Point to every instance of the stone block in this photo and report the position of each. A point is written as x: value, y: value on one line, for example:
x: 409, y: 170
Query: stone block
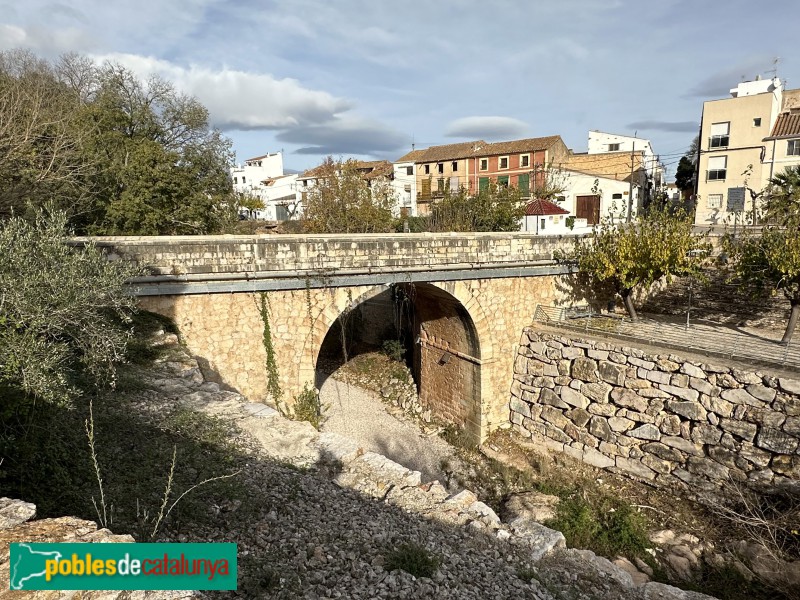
x: 598, y: 391
x: 702, y: 386
x: 658, y: 465
x: 776, y: 440
x: 740, y: 396
x: 679, y: 380
x: 760, y: 458
x: 767, y: 417
x: 745, y: 377
x: 655, y: 376
x: 727, y: 381
x: 790, y: 386
x: 721, y: 407
x: 693, y: 370
x: 617, y: 357
x: 629, y: 399
x: 645, y: 432
x: 550, y: 398
x: 667, y: 365
x: 679, y: 392
x: 663, y: 452
x: 574, y: 398
x: 669, y: 424
x: 653, y: 393
x: 706, y: 434
x: 585, y: 369
x: 571, y: 352
x: 792, y: 426
x: 638, y: 362
x: 761, y: 392
x: 724, y: 456
x: 620, y: 424
x: 579, y: 416
x: 634, y: 467
x: 634, y: 383
x: 741, y: 429
x: 520, y: 407
x: 597, y: 459
x: 554, y: 416
x: 604, y: 410
x: 597, y: 354
x: 787, y: 465
x: 557, y: 434
x: 683, y: 445
x: 690, y: 410
x: 705, y: 467
x: 599, y: 428
x: 611, y: 373
x: 636, y: 416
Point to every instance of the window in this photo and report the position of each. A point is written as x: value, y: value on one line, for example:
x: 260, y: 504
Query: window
x: 523, y: 184
x: 454, y: 185
x: 717, y: 168
x: 502, y: 181
x: 235, y: 180
x: 524, y: 160
x: 454, y: 166
x: 440, y: 184
x: 715, y: 201
x: 757, y: 122
x: 427, y: 169
x: 616, y: 196
x: 503, y: 162
x: 542, y: 222
x: 409, y: 170
x: 243, y: 179
x: 719, y: 135
x: 793, y: 148
x: 440, y: 168
x: 483, y: 184
x: 484, y: 165
x: 613, y: 147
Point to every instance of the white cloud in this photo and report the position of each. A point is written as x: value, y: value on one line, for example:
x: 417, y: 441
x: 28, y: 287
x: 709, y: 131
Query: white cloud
x: 240, y: 100
x: 486, y: 127
x: 345, y: 136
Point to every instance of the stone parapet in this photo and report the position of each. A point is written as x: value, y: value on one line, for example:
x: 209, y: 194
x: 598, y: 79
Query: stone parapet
x: 660, y: 418
x: 359, y: 253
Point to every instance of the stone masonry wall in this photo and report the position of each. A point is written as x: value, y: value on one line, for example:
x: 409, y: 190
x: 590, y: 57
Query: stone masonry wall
x: 197, y: 255
x: 659, y: 418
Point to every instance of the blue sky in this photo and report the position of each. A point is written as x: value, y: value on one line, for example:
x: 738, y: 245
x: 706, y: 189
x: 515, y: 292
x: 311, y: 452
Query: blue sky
x: 369, y: 78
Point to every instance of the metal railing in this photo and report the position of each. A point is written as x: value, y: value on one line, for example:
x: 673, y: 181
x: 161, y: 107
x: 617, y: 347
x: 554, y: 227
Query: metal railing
x: 697, y: 337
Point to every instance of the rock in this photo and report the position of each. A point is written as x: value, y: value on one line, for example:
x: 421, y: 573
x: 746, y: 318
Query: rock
x: 597, y: 459
x: 634, y: 467
x: 702, y: 386
x: 690, y: 410
x: 533, y: 506
x: 629, y: 399
x: 579, y: 416
x: 599, y: 428
x: 574, y: 398
x: 790, y: 386
x: 663, y: 452
x: 744, y: 430
x: 597, y: 391
x: 776, y: 441
x: 683, y: 445
x: 620, y: 424
x: 740, y: 396
x: 520, y: 406
x: 550, y: 398
x: 585, y: 369
x: 645, y: 364
x: 637, y: 576
x: 611, y: 373
x: 646, y: 432
x: 693, y: 370
x: 761, y: 392
x: 706, y: 434
x: 707, y: 468
x: 541, y: 540
x: 669, y: 425
x: 13, y: 512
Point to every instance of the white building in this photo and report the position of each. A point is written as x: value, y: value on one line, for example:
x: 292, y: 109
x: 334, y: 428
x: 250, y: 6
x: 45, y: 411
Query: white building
x: 601, y: 142
x: 404, y: 186
x: 263, y: 178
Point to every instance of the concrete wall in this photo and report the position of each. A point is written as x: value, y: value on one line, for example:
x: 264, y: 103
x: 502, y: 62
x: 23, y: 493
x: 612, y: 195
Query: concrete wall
x: 662, y: 419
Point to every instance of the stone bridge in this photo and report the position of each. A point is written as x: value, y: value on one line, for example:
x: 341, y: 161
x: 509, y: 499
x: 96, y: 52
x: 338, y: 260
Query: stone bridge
x: 458, y: 302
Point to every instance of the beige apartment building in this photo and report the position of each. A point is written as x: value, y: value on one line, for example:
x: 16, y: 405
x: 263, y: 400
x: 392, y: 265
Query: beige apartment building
x: 744, y: 141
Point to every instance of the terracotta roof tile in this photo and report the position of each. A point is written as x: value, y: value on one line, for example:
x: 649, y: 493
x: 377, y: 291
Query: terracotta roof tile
x: 412, y: 156
x: 787, y: 125
x: 450, y: 151
x: 611, y: 165
x: 544, y: 207
x: 519, y: 146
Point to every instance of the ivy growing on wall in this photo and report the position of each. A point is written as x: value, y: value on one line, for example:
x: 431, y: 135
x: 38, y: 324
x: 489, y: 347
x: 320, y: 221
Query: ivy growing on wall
x: 273, y: 385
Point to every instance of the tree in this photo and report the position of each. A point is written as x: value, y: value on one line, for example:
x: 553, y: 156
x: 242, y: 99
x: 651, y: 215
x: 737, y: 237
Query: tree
x: 341, y: 201
x: 120, y: 155
x: 493, y: 208
x: 685, y: 176
x: 630, y: 256
x: 770, y: 258
x: 62, y: 307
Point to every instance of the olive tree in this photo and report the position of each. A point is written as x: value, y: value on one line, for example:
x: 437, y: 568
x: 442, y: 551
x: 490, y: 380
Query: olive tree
x: 62, y: 310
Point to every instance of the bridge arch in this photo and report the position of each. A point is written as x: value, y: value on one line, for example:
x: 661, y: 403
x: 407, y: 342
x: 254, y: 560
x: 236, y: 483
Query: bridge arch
x: 446, y: 339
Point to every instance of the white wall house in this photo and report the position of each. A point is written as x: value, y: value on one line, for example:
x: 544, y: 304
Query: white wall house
x: 404, y: 186
x: 263, y: 177
x: 600, y: 142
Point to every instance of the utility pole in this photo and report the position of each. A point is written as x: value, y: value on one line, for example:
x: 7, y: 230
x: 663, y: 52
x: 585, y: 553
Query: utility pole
x: 630, y: 188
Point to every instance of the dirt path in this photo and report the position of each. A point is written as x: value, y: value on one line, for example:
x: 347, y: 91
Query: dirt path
x: 360, y: 415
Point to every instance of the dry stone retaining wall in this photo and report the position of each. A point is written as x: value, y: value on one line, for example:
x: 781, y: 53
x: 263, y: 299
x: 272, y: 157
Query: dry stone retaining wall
x: 659, y: 418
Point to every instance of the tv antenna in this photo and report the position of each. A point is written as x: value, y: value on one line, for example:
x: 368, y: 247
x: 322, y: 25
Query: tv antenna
x: 775, y: 62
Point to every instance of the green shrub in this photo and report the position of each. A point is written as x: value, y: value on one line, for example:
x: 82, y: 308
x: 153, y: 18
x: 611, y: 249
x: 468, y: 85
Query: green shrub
x: 413, y: 559
x: 308, y: 407
x: 394, y: 349
x: 570, y: 222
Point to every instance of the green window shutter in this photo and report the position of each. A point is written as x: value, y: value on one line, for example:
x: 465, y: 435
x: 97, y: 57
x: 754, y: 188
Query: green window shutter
x: 523, y: 183
x: 502, y: 180
x: 483, y: 184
